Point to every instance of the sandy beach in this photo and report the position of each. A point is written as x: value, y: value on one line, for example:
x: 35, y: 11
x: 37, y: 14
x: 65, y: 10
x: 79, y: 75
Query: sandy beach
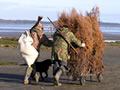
x: 11, y: 76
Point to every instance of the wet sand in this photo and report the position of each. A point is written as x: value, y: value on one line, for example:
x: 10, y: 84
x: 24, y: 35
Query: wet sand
x: 11, y: 76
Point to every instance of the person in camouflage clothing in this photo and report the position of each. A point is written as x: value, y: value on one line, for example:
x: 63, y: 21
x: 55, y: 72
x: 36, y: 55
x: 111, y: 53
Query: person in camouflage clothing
x: 39, y: 38
x: 60, y: 52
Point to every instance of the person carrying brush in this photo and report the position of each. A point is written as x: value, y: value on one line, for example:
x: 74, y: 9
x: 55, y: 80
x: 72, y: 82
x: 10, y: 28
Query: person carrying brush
x: 60, y: 49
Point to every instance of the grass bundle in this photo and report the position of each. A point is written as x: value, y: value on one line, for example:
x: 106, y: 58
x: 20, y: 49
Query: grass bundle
x: 86, y: 29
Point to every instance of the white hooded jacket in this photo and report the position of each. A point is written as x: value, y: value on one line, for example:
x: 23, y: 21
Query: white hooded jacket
x: 28, y: 52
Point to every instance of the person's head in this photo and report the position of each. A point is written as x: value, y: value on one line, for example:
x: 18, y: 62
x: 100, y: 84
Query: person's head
x: 37, y: 29
x: 38, y: 26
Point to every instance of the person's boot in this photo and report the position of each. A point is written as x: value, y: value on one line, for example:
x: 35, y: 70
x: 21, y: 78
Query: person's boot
x: 57, y: 77
x: 57, y: 83
x: 26, y: 82
x: 28, y: 73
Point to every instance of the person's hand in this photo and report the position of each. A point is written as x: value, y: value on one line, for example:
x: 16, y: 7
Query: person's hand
x: 83, y: 45
x: 39, y: 18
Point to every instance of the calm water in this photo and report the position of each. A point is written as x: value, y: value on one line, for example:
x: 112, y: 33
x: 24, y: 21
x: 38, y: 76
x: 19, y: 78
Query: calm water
x: 22, y: 28
x: 110, y: 29
x: 16, y: 30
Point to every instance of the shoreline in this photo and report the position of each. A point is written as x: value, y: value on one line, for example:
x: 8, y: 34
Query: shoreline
x: 109, y: 33
x: 106, y: 36
x: 111, y: 36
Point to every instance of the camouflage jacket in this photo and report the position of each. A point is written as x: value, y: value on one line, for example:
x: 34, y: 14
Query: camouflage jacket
x: 60, y: 46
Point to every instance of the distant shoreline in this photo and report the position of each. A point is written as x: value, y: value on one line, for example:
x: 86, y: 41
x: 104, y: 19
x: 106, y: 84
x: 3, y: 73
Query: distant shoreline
x: 32, y: 22
x: 106, y: 36
x: 109, y: 25
x: 18, y: 32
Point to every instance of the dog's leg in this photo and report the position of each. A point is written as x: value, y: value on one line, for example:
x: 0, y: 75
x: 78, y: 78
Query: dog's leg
x: 41, y: 76
x: 46, y: 74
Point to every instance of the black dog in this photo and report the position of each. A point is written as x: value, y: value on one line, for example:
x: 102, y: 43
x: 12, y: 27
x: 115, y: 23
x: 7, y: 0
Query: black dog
x: 42, y: 67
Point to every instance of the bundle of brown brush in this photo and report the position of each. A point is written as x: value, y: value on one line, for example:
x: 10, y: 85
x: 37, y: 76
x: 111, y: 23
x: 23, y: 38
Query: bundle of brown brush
x: 86, y: 29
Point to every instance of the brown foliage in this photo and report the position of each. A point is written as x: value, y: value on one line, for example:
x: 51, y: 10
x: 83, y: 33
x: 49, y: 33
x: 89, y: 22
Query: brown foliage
x: 86, y: 29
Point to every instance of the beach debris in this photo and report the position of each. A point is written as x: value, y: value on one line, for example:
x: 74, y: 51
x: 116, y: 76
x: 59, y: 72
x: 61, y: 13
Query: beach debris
x: 86, y: 28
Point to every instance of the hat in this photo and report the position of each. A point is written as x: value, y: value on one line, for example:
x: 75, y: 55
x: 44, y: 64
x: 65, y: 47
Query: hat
x: 65, y: 25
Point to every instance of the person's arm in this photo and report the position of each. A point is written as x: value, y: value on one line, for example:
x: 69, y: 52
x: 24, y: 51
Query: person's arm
x: 38, y: 21
x: 45, y: 41
x: 76, y: 41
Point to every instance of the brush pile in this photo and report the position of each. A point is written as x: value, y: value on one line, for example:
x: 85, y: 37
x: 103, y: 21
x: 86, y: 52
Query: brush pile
x: 85, y: 28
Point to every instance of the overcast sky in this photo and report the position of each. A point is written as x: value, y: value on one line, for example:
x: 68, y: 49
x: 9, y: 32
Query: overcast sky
x: 30, y: 9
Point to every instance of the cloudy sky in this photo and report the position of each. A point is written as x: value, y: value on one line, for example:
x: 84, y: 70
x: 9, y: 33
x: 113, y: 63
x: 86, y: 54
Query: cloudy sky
x: 30, y: 9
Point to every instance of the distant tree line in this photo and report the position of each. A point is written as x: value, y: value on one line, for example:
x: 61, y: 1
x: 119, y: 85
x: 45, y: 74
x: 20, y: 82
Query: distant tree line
x: 2, y: 21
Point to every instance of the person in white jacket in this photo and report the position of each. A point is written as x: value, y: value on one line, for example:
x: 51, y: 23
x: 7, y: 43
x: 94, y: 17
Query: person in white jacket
x: 29, y: 46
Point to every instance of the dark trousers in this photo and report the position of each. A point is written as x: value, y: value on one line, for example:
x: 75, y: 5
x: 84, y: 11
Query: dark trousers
x: 59, y: 65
